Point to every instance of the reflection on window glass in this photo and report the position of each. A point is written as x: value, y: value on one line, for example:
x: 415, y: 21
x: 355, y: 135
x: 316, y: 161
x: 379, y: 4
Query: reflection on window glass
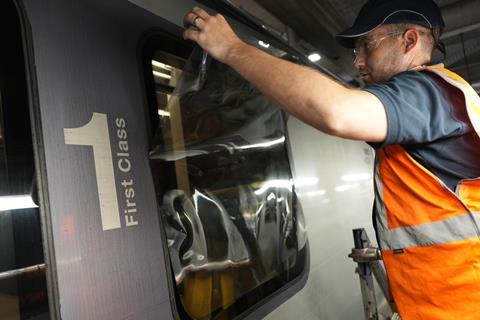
x: 223, y: 180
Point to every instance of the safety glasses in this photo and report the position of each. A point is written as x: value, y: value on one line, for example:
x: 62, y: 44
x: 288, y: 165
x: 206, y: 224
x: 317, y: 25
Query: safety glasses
x: 365, y: 46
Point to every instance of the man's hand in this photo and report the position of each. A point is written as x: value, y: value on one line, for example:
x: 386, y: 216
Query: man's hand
x: 212, y: 33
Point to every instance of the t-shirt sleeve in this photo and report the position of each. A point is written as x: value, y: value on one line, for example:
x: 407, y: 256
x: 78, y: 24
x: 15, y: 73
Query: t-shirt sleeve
x: 418, y: 110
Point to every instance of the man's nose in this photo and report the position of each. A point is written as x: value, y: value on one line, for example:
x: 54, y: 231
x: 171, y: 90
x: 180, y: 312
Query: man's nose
x: 359, y: 61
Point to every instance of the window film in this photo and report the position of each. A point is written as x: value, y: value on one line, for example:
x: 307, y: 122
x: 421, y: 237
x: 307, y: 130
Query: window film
x: 233, y: 224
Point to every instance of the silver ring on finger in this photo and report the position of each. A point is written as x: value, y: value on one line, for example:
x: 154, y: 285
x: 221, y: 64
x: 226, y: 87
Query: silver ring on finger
x: 194, y: 22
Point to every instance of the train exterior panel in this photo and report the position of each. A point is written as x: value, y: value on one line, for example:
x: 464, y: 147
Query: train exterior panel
x: 108, y: 249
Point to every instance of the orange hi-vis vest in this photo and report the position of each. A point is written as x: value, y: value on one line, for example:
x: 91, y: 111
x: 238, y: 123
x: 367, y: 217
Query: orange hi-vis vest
x: 430, y: 234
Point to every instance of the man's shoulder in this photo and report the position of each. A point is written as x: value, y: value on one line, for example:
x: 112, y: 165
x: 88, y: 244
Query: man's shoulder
x: 418, y: 108
x: 416, y: 76
x: 413, y: 83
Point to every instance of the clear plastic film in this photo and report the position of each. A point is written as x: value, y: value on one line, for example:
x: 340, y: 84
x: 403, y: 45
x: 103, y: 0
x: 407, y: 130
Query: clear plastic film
x: 234, y: 227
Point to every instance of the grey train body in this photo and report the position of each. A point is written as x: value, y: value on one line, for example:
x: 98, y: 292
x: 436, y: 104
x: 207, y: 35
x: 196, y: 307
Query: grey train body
x: 122, y: 242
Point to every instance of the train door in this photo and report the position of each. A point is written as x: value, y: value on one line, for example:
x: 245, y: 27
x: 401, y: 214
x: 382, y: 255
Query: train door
x: 149, y: 208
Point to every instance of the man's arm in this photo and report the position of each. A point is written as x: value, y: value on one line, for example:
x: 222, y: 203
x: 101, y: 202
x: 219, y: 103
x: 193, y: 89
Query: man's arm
x: 303, y: 92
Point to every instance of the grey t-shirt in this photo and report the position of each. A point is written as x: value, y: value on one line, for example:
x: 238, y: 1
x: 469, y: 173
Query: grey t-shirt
x: 426, y: 117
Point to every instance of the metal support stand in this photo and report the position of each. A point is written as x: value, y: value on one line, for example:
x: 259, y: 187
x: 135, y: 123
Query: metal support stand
x: 368, y: 259
x: 359, y: 255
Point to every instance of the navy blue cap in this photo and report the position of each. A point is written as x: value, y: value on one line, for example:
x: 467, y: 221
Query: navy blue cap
x: 377, y: 12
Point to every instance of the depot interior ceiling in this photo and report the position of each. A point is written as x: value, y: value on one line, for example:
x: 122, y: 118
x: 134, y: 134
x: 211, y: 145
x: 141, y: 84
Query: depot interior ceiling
x: 317, y: 21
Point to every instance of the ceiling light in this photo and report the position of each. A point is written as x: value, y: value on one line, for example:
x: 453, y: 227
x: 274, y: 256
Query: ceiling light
x: 314, y: 57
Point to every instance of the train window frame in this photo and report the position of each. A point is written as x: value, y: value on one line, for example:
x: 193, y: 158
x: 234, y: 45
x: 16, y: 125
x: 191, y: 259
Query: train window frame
x: 16, y: 91
x: 179, y: 50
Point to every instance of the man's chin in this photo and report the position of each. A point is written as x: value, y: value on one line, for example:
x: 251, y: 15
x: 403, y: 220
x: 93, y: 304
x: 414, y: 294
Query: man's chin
x: 367, y: 79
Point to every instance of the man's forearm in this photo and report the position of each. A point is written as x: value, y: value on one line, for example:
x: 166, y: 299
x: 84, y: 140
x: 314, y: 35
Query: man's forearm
x: 299, y: 90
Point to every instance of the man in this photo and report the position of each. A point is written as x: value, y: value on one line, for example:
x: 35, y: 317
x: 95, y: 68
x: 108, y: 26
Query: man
x: 423, y: 122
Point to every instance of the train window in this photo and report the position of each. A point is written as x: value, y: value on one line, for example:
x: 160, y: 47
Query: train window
x: 23, y: 292
x: 232, y: 224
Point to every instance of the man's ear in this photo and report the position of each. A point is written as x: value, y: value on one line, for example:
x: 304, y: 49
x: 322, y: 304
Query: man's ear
x: 410, y: 39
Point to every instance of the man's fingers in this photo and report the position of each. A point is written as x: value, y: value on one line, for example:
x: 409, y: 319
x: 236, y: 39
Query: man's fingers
x: 201, y: 13
x: 191, y: 34
x: 192, y: 19
x: 198, y: 22
x: 188, y: 19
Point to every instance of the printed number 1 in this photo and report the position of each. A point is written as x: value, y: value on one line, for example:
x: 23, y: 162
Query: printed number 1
x: 95, y: 134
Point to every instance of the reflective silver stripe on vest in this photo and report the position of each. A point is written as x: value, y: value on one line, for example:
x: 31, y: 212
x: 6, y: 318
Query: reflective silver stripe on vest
x: 454, y: 229
x: 381, y: 213
x: 440, y: 232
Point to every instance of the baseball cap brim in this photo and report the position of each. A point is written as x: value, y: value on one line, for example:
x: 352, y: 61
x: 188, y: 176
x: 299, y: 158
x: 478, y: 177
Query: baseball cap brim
x: 347, y: 37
